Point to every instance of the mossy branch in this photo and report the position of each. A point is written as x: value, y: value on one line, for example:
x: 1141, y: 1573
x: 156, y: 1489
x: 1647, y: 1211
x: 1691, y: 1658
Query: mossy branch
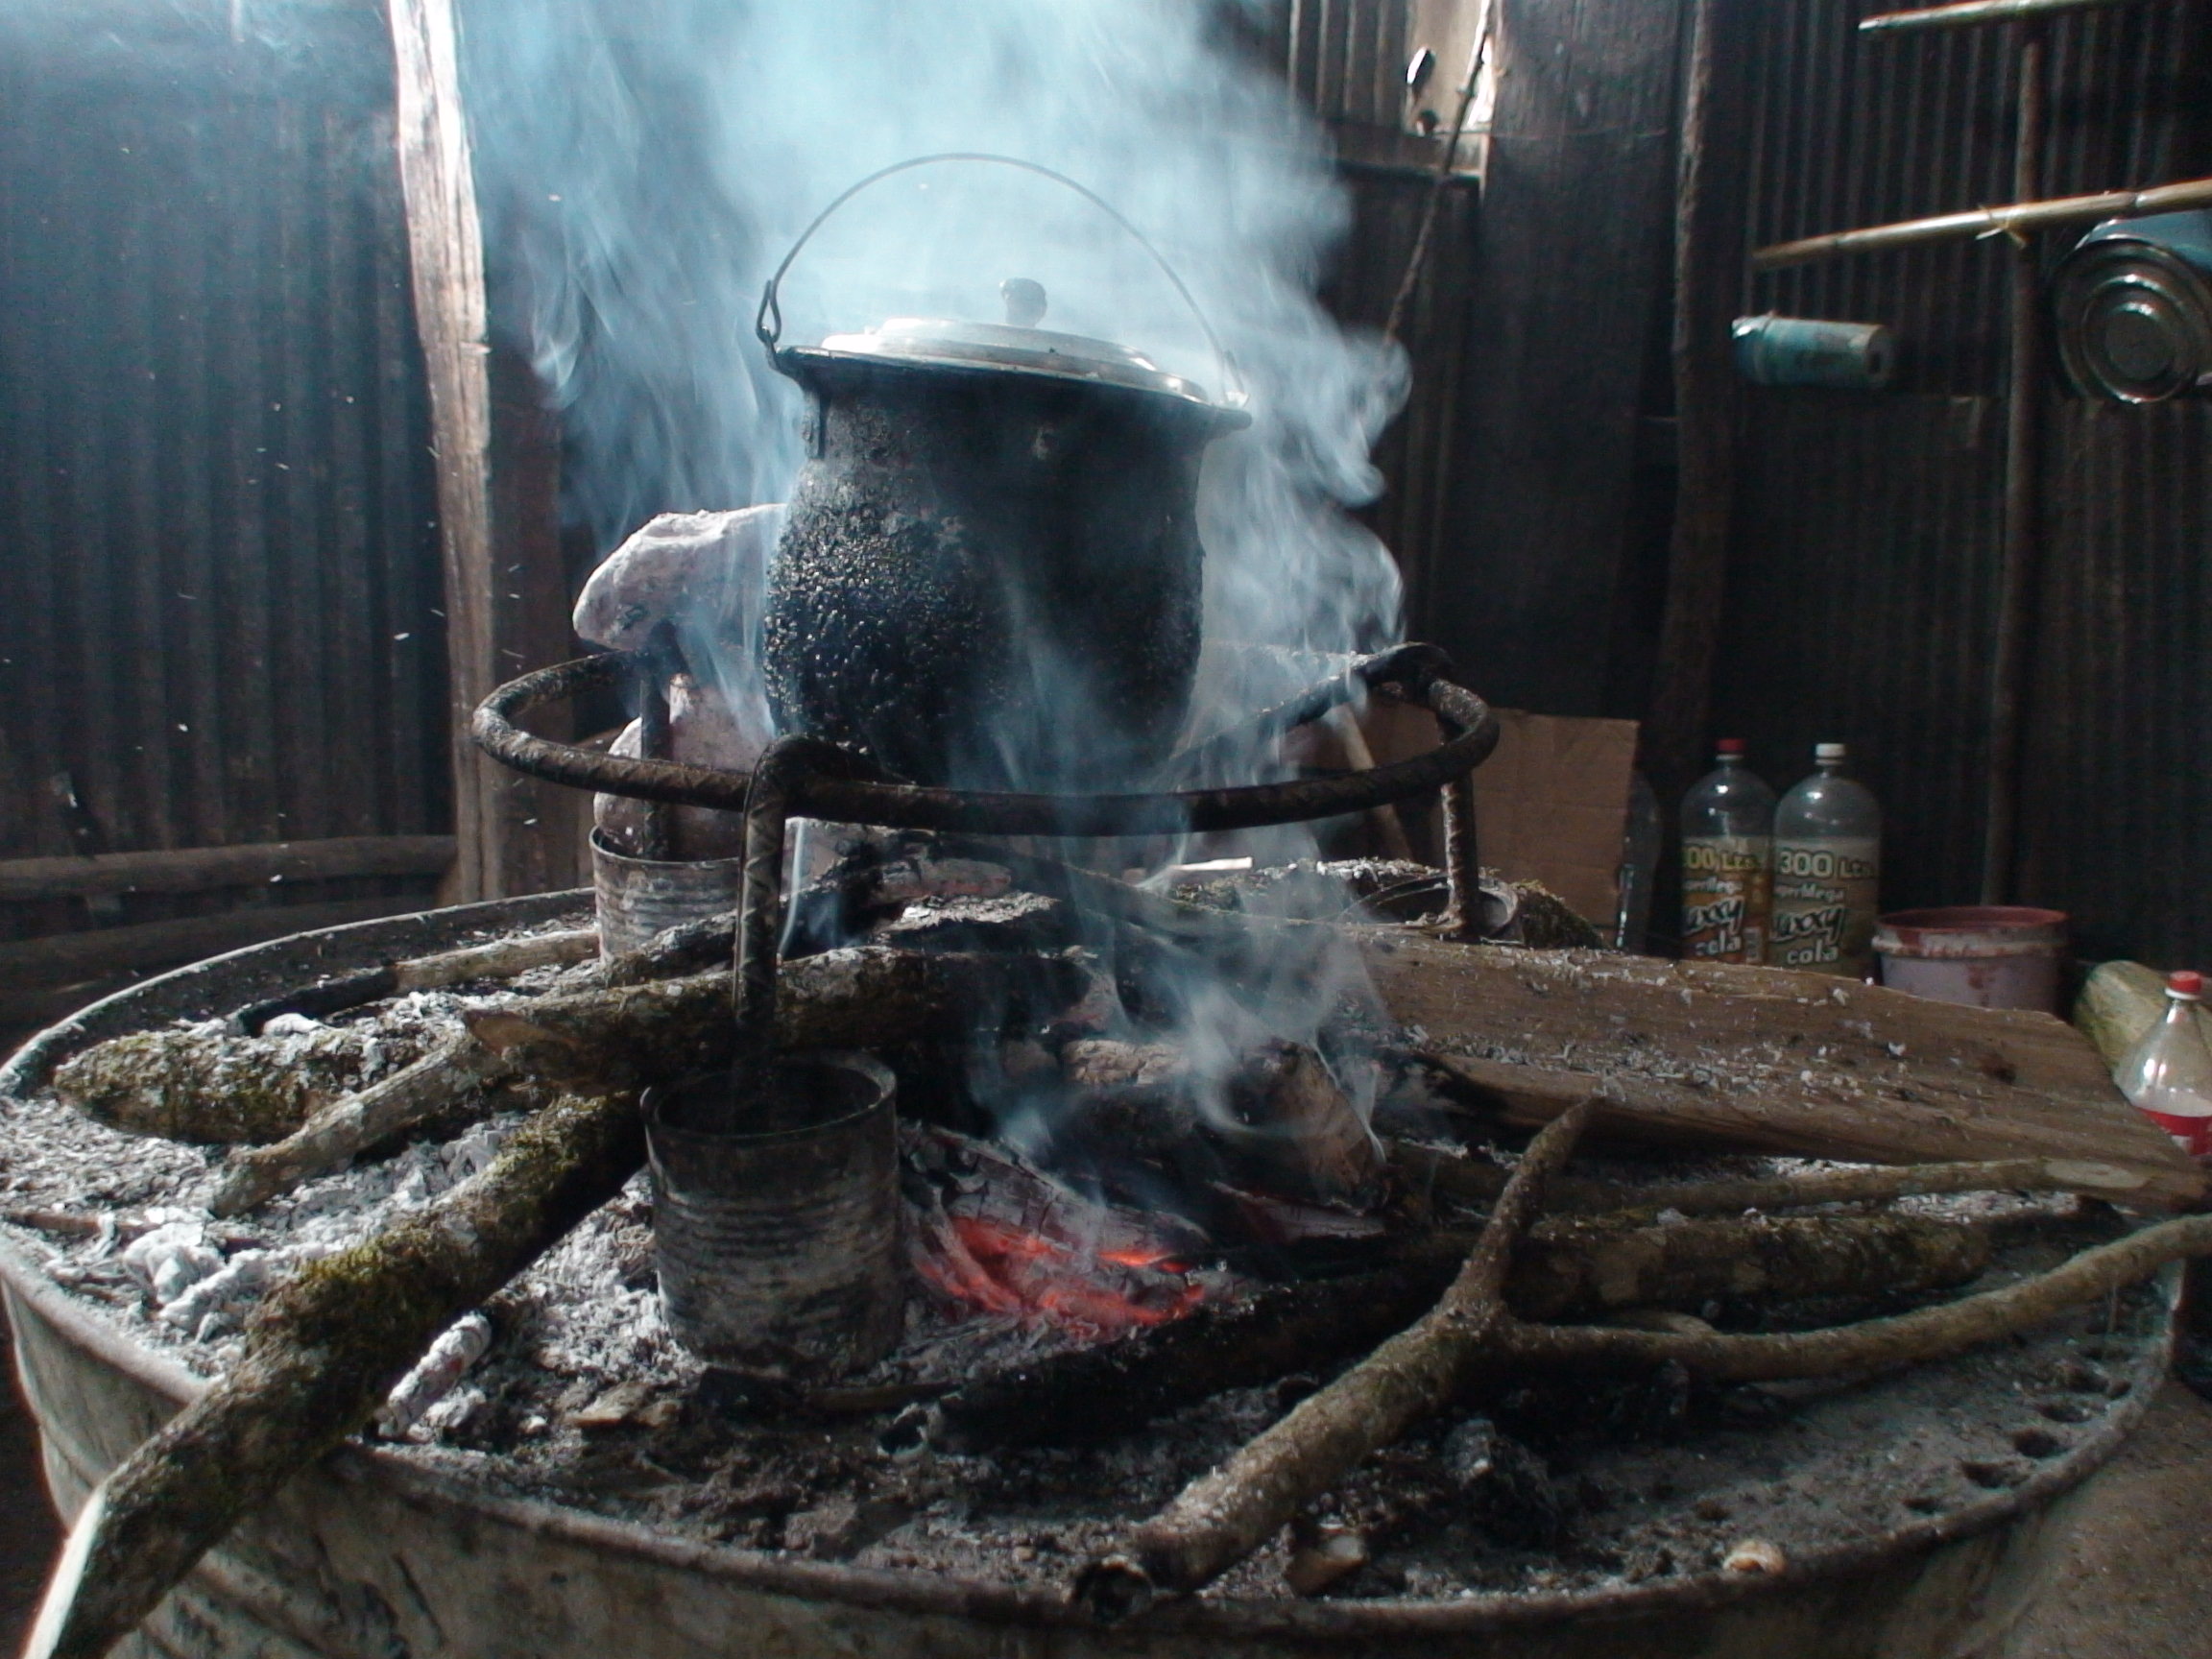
x: 322, y: 1354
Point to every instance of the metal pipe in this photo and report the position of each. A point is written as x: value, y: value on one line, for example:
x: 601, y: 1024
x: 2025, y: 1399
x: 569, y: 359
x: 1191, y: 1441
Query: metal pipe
x: 2014, y: 219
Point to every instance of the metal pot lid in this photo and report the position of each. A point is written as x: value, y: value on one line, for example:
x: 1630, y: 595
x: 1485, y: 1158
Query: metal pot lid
x: 1015, y: 346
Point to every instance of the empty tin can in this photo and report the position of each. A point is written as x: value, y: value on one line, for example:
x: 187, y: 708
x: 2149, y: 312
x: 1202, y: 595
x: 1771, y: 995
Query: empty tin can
x: 778, y: 1243
x: 1805, y: 352
x: 638, y: 898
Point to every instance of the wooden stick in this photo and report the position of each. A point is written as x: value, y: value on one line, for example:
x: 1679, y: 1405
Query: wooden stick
x: 2014, y: 219
x: 1583, y: 1267
x: 1973, y: 12
x: 322, y: 1354
x: 862, y: 997
x: 63, y: 958
x: 252, y: 1175
x: 1473, y: 1182
x: 195, y: 868
x: 1875, y: 1344
x: 1222, y: 1517
x: 500, y: 959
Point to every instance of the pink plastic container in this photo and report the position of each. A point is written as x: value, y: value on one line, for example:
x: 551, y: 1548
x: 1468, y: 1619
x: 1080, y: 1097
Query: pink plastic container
x: 1986, y: 955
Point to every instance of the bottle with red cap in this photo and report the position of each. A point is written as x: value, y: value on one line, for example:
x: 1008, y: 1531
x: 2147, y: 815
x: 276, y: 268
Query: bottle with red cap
x: 2169, y: 1073
x: 1728, y: 862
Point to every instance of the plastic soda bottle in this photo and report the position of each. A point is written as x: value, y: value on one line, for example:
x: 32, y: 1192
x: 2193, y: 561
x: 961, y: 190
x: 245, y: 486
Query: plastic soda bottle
x: 2169, y: 1074
x: 1827, y: 871
x: 1728, y: 862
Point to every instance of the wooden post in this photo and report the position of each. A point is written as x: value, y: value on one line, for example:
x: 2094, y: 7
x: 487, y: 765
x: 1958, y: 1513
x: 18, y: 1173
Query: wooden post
x: 2017, y: 573
x: 1709, y: 234
x: 505, y: 594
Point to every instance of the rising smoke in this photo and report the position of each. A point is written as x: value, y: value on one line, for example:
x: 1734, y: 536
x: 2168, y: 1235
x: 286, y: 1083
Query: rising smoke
x: 645, y: 162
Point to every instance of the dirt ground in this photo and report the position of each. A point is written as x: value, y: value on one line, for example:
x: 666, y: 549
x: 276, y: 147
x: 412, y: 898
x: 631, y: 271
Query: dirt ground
x: 2134, y: 1581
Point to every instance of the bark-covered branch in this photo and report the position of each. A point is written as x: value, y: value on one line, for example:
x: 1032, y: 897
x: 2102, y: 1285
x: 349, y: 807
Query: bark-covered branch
x: 1221, y: 1518
x: 322, y: 1354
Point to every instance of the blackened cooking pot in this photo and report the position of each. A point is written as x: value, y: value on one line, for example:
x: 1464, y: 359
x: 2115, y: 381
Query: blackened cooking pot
x: 990, y: 575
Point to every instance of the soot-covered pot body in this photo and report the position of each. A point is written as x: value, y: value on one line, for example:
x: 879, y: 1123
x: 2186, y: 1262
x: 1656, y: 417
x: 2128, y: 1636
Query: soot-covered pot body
x: 990, y: 577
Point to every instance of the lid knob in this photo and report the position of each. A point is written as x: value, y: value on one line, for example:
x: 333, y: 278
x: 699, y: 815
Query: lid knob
x: 1024, y: 301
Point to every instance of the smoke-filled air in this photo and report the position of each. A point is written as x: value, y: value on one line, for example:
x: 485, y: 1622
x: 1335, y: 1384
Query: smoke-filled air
x: 644, y: 164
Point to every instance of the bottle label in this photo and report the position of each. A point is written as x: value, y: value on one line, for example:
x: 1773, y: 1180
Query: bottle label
x: 1728, y: 892
x: 2193, y: 1135
x: 1826, y: 893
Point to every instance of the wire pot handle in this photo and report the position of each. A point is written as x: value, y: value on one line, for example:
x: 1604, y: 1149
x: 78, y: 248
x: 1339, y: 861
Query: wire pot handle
x: 768, y: 322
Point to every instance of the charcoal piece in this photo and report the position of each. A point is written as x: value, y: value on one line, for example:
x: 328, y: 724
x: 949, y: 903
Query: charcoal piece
x: 1504, y: 1488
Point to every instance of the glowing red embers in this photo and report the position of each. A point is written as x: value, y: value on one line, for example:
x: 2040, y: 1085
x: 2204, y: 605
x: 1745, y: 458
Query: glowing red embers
x: 1002, y: 1238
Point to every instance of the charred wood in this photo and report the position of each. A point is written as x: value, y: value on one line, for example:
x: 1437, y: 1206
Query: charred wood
x: 865, y: 997
x: 1222, y: 1517
x: 202, y: 1084
x: 1566, y: 1269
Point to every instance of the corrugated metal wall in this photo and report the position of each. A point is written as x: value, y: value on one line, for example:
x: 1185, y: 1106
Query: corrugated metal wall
x: 1863, y: 576
x: 219, y: 575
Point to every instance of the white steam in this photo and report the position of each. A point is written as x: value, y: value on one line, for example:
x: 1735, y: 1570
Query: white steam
x: 644, y: 164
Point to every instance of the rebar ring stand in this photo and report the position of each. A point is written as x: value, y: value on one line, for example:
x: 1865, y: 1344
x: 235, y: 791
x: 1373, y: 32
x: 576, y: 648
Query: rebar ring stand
x: 810, y: 777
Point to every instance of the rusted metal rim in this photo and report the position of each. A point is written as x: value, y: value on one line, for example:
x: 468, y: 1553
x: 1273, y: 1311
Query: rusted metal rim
x: 1416, y: 670
x: 924, y: 1593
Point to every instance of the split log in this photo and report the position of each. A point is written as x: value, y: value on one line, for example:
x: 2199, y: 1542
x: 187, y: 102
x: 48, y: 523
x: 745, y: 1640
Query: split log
x: 500, y: 959
x: 205, y: 1085
x: 348, y: 1127
x: 1279, y: 1117
x: 321, y: 1355
x: 1222, y: 1517
x: 1765, y: 1059
x: 1576, y: 1268
x: 1471, y: 1181
x: 865, y: 997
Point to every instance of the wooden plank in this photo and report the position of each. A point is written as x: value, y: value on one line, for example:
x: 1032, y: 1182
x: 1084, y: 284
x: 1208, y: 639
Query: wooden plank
x: 1768, y: 1059
x: 496, y: 474
x: 63, y: 958
x: 195, y: 868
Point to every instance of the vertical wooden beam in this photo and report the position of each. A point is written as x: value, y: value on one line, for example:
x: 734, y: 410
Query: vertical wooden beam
x: 1710, y: 209
x: 505, y: 597
x: 2019, y: 568
x: 1570, y: 282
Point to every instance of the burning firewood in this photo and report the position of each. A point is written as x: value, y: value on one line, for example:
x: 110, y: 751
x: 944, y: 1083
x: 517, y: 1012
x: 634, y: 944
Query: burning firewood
x: 1224, y: 1516
x: 1468, y: 1342
x: 627, y: 1036
x: 990, y: 1232
x: 865, y: 997
x: 500, y: 959
x: 1282, y: 1116
x: 1572, y: 1269
x: 350, y: 1126
x: 321, y: 1355
x: 205, y: 1084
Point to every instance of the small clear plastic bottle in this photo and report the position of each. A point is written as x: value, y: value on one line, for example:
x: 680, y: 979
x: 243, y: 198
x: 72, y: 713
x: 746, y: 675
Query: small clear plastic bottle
x: 1827, y: 871
x: 1642, y: 842
x: 1728, y: 862
x: 2169, y: 1074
